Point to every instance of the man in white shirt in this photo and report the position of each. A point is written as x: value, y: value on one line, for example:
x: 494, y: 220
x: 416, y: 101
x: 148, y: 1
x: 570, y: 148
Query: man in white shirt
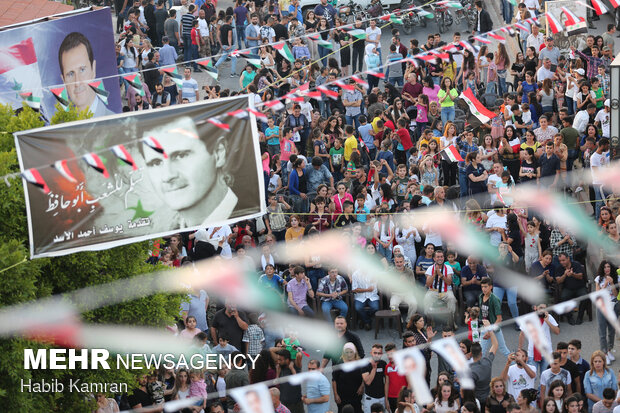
x: 536, y: 38
x: 203, y: 28
x: 439, y: 283
x: 582, y: 118
x: 519, y: 375
x: 496, y: 224
x: 366, y: 299
x: 602, y: 119
x: 545, y: 72
x: 599, y: 159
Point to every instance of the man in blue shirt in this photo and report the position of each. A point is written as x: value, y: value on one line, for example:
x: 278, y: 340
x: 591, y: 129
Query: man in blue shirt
x: 365, y: 129
x: 167, y: 54
x: 326, y: 11
x: 317, y: 391
x: 318, y: 174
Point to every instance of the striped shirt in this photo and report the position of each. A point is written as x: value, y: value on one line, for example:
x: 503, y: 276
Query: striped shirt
x: 187, y: 22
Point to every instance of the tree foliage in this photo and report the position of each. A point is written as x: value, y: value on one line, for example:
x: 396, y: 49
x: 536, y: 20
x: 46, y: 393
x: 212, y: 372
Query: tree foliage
x: 39, y: 278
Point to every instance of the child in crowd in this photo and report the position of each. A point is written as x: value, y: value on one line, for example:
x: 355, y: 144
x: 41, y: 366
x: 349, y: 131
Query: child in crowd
x: 253, y: 336
x: 224, y: 347
x: 198, y: 388
x: 471, y: 319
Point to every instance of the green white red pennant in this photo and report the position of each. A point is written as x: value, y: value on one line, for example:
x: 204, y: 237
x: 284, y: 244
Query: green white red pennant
x: 60, y: 93
x: 285, y: 51
x: 207, y: 64
x: 99, y: 89
x: 135, y: 82
x: 33, y: 101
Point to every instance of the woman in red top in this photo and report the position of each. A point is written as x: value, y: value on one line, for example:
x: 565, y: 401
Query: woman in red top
x: 341, y: 196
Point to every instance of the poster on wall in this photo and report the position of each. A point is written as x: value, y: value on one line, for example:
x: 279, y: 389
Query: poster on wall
x: 68, y: 60
x: 572, y: 35
x: 125, y: 178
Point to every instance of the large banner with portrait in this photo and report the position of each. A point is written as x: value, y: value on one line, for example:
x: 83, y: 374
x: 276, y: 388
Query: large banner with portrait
x: 131, y: 177
x: 67, y: 59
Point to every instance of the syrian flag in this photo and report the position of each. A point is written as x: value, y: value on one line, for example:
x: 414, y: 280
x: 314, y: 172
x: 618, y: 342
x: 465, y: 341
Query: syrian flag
x: 33, y: 177
x: 515, y: 144
x: 427, y: 57
x: 535, y: 21
x: 441, y: 56
x: 239, y: 114
x: 328, y: 92
x: 344, y: 86
x: 571, y: 18
x: 154, y: 144
x: 497, y: 37
x: 219, y: 124
x: 19, y: 71
x: 615, y: 3
x: 509, y: 31
x: 99, y: 89
x: 33, y: 101
x: 599, y: 7
x: 259, y: 115
x: 135, y: 82
x: 522, y: 27
x: 94, y: 161
x: 380, y: 75
x: 314, y: 94
x: 482, y: 39
x: 466, y: 45
x: 476, y: 108
x: 451, y: 154
x: 207, y: 64
x: 63, y: 169
x: 359, y: 80
x: 293, y: 97
x: 121, y: 153
x: 285, y: 51
x: 274, y: 105
x: 554, y: 23
x: 60, y: 93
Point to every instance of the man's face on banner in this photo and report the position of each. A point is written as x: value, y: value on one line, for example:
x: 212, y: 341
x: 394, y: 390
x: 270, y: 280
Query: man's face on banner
x: 187, y: 175
x: 77, y: 73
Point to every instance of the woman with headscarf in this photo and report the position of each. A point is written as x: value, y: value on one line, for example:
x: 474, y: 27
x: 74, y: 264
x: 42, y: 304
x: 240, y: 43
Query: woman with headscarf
x: 347, y: 384
x: 372, y: 62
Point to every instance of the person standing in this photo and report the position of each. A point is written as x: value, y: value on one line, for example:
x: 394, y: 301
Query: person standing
x: 290, y: 394
x: 317, y: 391
x: 491, y: 311
x: 482, y: 366
x: 189, y: 88
x: 171, y: 30
x: 227, y: 42
x: 374, y: 379
x: 187, y: 23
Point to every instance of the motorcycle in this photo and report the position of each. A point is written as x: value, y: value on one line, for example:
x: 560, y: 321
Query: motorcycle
x: 350, y: 11
x: 443, y: 17
x: 470, y: 14
x: 410, y: 20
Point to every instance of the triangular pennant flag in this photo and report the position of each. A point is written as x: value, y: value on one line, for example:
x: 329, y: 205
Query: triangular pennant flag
x: 458, y: 6
x: 99, y: 89
x: 93, y: 160
x: 358, y: 33
x: 34, y: 177
x: 476, y: 108
x: 274, y: 105
x: 285, y: 51
x: 396, y: 20
x: 482, y: 39
x: 259, y: 115
x: 177, y: 81
x: 172, y: 71
x: 380, y: 75
x: 426, y: 14
x: 426, y: 57
x: 328, y: 92
x: 497, y: 37
x: 345, y: 86
x: 314, y: 94
x: 359, y: 80
x: 554, y: 23
x: 239, y: 114
x: 207, y: 64
x: 293, y: 97
x: 385, y: 17
x: 63, y: 169
x: 60, y: 93
x: 252, y: 59
x: 33, y: 101
x: 135, y: 82
x: 325, y: 44
x: 466, y: 45
x: 314, y: 36
x: 154, y: 144
x: 522, y: 27
x: 219, y: 124
x: 615, y: 3
x: 121, y: 153
x: 451, y: 154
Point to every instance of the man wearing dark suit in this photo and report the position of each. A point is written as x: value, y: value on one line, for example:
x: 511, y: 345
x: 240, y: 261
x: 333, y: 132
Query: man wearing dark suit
x: 483, y: 19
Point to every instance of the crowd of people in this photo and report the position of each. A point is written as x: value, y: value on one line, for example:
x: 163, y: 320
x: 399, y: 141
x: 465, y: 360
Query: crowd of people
x: 353, y: 163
